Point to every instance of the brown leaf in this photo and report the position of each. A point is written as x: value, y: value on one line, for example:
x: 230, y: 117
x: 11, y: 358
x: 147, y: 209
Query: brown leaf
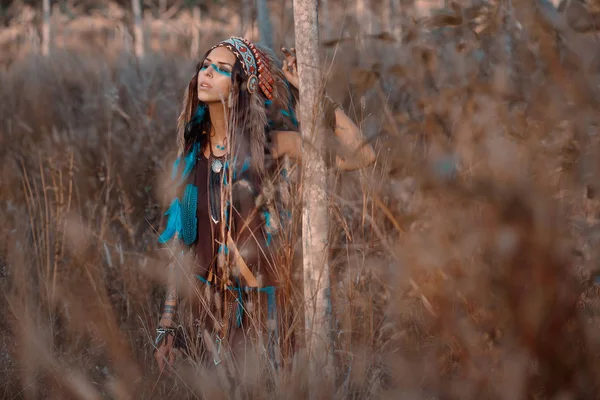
x: 444, y: 18
x: 334, y: 42
x: 363, y: 78
x: 383, y: 36
x: 581, y: 19
x: 397, y: 70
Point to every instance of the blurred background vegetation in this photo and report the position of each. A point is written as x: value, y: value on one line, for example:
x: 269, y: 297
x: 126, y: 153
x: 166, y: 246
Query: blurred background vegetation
x: 464, y: 261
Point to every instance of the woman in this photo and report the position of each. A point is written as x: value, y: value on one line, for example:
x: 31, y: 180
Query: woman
x: 227, y: 208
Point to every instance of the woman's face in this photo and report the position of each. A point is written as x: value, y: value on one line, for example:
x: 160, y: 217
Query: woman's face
x: 214, y: 77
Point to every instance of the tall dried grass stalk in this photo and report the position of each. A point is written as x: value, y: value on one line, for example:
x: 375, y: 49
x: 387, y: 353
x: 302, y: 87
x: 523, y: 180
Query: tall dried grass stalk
x: 463, y: 263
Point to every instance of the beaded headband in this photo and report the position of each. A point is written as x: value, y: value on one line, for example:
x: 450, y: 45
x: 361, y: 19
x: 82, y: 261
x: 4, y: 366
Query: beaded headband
x: 254, y: 62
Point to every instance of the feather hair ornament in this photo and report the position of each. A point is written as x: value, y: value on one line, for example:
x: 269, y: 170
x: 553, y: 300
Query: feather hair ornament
x: 269, y: 96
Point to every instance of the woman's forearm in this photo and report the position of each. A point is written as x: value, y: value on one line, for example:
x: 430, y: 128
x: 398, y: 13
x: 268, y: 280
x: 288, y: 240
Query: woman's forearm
x: 170, y: 304
x: 360, y: 154
x: 359, y: 161
x: 169, y: 308
x: 356, y: 153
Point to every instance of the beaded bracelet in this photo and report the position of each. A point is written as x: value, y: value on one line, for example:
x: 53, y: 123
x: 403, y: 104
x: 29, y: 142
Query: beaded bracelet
x: 162, y: 332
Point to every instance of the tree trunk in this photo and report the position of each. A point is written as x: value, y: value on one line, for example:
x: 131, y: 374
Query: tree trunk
x: 325, y: 18
x: 195, y: 46
x: 396, y: 18
x: 314, y: 196
x: 162, y: 11
x: 46, y: 28
x: 264, y: 23
x: 386, y: 16
x: 407, y: 11
x: 363, y: 16
x: 246, y: 17
x: 138, y: 31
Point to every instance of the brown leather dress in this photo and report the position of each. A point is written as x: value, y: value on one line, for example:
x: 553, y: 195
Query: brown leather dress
x: 210, y: 305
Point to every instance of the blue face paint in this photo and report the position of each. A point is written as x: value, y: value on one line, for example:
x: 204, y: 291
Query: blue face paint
x: 218, y: 69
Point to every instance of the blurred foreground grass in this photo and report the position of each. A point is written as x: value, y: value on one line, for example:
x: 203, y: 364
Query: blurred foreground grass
x: 464, y: 261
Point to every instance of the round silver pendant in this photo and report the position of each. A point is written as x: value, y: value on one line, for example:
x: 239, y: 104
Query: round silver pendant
x: 217, y: 166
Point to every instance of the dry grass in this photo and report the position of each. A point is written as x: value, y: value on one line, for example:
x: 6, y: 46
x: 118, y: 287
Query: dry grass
x: 464, y: 260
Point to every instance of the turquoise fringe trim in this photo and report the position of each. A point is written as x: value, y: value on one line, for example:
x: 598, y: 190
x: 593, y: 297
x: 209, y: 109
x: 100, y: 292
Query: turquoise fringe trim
x: 288, y: 113
x: 234, y: 164
x: 223, y: 249
x: 267, y: 216
x: 269, y: 290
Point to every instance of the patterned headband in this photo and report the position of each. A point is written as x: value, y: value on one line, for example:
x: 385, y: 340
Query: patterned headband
x: 255, y: 64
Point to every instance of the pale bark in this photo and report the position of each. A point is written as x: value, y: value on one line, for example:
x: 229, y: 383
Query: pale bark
x: 162, y: 11
x: 138, y: 31
x: 162, y: 8
x: 326, y: 26
x: 363, y: 16
x: 246, y: 17
x: 314, y: 196
x: 407, y: 10
x: 396, y: 19
x: 46, y: 28
x: 386, y: 15
x: 195, y: 46
x: 265, y: 28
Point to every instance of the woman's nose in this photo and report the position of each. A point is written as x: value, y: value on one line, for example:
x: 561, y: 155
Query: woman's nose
x: 208, y: 71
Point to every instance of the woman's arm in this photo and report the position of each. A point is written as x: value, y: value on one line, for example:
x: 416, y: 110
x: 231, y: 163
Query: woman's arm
x: 170, y: 306
x: 359, y: 153
x: 164, y: 354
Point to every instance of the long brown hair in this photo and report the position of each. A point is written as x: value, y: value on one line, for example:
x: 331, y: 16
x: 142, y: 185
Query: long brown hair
x: 249, y: 117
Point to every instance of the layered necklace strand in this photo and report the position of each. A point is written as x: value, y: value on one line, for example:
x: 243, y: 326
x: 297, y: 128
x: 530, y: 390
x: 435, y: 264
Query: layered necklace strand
x: 215, y: 179
x: 217, y: 164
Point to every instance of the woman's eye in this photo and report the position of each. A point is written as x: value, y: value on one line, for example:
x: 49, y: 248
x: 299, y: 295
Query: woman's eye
x: 204, y: 67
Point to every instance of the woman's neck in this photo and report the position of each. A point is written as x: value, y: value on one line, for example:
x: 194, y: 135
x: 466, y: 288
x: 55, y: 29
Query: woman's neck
x: 218, y: 122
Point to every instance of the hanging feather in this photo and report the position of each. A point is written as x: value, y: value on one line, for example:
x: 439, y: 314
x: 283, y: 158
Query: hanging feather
x: 189, y: 224
x: 174, y: 222
x: 190, y: 161
x: 199, y: 115
x: 255, y: 125
x: 175, y: 168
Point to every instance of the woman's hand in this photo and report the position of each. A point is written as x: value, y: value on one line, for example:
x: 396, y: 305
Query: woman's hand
x: 165, y: 354
x: 290, y: 67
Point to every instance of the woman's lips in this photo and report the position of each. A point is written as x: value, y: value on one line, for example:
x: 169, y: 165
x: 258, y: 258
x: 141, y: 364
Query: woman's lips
x: 205, y: 86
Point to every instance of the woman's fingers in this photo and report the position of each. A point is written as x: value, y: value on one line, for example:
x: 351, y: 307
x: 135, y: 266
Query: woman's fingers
x: 171, y: 358
x: 164, y: 355
x: 290, y: 55
x: 160, y: 359
x: 289, y: 72
x: 289, y: 67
